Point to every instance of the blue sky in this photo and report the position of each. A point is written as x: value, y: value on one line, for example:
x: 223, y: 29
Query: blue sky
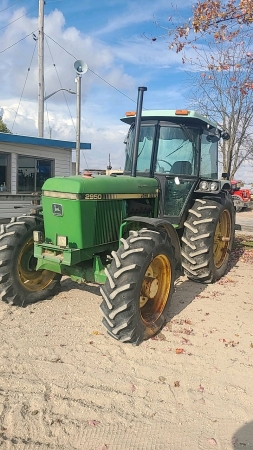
x: 112, y: 37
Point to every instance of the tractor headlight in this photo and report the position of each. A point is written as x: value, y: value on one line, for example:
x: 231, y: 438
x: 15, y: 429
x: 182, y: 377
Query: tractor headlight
x: 62, y: 241
x: 38, y: 236
x: 204, y: 186
x: 214, y: 186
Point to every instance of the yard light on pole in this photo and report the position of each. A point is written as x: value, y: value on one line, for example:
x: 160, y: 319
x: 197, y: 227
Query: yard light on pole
x: 50, y: 95
x: 80, y: 68
x: 55, y: 92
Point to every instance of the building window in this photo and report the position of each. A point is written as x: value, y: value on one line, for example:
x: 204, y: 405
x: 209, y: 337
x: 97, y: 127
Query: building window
x: 4, y: 172
x: 33, y: 172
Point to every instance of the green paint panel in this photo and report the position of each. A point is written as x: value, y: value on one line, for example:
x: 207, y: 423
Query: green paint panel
x: 101, y: 184
x: 85, y: 221
x: 77, y: 221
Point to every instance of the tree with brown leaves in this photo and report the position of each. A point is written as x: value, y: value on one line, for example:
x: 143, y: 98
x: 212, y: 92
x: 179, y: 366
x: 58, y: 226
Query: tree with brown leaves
x: 215, y: 19
x: 221, y: 70
x: 217, y: 92
x: 215, y: 22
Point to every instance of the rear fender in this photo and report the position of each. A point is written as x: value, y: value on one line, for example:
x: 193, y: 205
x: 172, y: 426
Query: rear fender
x: 164, y: 226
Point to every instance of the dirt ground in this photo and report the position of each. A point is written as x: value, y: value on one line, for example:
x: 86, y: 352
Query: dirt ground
x: 65, y: 384
x: 244, y: 220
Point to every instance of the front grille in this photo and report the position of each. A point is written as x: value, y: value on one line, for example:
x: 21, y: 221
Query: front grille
x: 108, y: 221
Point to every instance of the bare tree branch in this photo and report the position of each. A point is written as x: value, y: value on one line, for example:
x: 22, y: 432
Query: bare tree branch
x: 219, y: 95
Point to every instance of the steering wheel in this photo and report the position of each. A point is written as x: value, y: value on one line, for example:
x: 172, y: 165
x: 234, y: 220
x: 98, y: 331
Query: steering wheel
x: 163, y: 160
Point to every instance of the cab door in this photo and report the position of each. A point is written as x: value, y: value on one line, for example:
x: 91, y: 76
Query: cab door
x: 176, y: 167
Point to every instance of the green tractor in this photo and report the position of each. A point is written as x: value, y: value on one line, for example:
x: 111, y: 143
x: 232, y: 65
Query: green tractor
x: 167, y: 214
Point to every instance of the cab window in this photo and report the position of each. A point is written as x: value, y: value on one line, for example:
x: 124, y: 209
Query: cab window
x: 146, y: 140
x: 177, y: 152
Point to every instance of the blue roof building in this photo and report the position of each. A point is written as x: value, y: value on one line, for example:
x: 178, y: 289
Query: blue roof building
x: 25, y: 163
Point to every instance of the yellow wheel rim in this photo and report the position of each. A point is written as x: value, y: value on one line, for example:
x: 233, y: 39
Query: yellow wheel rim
x: 31, y: 279
x: 222, y: 238
x: 155, y: 289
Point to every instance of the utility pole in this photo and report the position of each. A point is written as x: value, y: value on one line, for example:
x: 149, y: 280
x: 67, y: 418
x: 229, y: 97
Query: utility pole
x: 41, y: 88
x: 78, y: 122
x: 80, y: 68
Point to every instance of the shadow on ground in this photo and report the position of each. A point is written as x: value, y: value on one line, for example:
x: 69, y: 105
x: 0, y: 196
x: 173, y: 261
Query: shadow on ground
x: 238, y: 250
x: 243, y: 438
x: 186, y: 290
x: 67, y: 284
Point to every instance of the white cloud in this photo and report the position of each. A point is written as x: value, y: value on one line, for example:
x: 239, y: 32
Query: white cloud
x: 245, y: 173
x: 15, y: 62
x: 18, y: 59
x: 105, y: 137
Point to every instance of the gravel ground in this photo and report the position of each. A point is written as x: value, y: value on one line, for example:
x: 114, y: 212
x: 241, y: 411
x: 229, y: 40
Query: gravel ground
x: 65, y: 384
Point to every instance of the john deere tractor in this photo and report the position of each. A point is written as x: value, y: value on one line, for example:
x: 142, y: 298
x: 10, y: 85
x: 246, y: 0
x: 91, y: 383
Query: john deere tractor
x: 132, y: 233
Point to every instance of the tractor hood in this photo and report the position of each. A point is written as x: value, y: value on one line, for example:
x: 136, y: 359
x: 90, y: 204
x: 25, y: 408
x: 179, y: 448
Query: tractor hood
x: 100, y: 184
x: 89, y: 210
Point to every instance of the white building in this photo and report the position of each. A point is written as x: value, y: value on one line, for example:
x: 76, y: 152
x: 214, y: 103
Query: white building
x: 25, y: 163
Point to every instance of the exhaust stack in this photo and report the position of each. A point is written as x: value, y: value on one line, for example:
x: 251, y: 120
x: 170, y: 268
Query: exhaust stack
x: 141, y: 90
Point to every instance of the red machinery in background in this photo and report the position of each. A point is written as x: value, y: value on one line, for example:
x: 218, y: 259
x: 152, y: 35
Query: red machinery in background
x: 242, y: 197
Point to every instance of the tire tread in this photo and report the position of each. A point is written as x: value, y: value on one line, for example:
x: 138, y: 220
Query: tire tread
x: 10, y: 291
x: 198, y: 263
x: 119, y: 305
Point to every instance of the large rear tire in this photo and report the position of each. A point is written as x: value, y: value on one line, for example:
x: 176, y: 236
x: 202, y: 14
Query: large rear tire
x: 139, y: 286
x: 20, y: 283
x: 208, y: 239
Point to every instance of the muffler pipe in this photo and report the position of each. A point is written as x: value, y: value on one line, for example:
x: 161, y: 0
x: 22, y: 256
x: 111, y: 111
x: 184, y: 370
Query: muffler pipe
x: 137, y: 129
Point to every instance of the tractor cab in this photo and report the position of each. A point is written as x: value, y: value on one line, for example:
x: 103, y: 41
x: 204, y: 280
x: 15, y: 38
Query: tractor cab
x: 180, y: 149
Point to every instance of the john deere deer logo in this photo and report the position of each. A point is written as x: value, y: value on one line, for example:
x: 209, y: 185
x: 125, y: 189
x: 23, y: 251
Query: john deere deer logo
x: 57, y: 209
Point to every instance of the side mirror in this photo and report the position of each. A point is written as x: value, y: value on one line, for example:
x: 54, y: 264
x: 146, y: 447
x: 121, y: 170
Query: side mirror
x: 225, y: 135
x: 212, y: 138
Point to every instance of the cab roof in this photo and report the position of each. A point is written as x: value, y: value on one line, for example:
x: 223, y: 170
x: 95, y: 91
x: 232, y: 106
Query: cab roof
x: 173, y: 115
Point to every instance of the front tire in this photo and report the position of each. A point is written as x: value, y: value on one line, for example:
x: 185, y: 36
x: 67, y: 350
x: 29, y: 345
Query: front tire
x: 139, y: 286
x: 20, y: 283
x: 208, y: 239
